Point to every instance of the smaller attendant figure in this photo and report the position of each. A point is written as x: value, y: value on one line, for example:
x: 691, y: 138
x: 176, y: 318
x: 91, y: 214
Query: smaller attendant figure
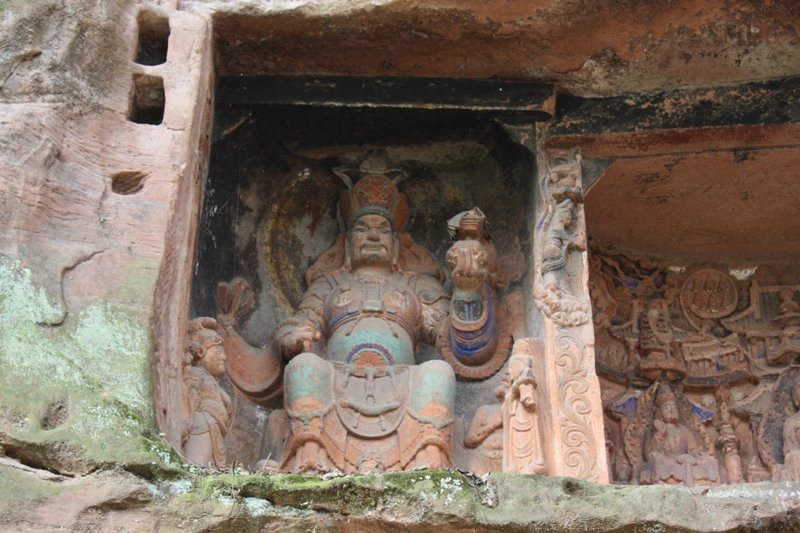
x: 791, y: 440
x: 523, y: 452
x: 728, y: 445
x: 553, y: 293
x: 559, y: 239
x: 484, y: 438
x: 668, y: 451
x: 207, y: 407
x: 785, y: 346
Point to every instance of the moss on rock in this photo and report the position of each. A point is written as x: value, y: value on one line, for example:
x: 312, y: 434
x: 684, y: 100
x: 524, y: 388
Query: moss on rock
x: 96, y: 366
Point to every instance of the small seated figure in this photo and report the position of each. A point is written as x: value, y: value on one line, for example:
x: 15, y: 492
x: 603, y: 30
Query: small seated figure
x: 785, y: 348
x: 207, y: 406
x: 788, y: 305
x: 485, y: 436
x: 791, y: 440
x: 671, y: 450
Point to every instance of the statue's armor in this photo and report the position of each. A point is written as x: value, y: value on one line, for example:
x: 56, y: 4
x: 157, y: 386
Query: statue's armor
x: 367, y: 387
x: 372, y: 317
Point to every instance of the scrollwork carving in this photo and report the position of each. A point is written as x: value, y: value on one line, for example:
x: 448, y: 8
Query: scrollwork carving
x: 577, y: 435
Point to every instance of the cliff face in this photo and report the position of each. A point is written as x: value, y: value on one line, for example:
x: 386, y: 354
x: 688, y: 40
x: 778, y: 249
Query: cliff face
x: 90, y: 203
x: 103, y: 147
x: 588, y: 47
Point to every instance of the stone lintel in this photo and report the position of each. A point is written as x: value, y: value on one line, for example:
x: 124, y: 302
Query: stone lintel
x: 405, y: 92
x: 767, y: 103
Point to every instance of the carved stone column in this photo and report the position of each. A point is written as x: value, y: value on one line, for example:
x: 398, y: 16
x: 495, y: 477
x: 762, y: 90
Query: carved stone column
x: 561, y: 295
x: 560, y: 314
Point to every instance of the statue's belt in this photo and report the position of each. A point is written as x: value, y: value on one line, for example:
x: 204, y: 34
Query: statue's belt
x: 367, y: 419
x: 365, y: 371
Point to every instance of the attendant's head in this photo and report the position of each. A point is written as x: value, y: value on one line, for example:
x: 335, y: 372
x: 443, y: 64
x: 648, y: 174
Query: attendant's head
x: 204, y: 345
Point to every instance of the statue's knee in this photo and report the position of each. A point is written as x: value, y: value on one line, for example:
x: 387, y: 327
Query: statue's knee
x: 307, y: 377
x: 434, y: 383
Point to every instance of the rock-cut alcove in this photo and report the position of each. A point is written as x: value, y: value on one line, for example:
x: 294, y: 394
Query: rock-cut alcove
x: 694, y: 278
x: 270, y: 211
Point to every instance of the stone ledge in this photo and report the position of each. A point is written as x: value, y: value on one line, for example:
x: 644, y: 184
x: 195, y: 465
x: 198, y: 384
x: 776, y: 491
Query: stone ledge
x: 422, y: 500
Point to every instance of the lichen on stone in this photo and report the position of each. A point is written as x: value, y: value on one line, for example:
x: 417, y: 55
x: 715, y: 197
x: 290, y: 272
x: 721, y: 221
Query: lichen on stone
x: 97, y: 364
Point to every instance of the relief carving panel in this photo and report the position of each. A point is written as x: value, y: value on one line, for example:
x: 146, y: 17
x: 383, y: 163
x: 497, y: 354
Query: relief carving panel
x: 717, y: 349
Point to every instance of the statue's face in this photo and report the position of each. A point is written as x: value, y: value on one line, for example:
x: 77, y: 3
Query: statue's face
x: 214, y: 356
x: 371, y: 242
x: 669, y: 411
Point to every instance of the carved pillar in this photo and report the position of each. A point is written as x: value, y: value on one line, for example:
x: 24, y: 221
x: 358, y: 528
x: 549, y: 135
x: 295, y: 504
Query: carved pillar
x: 189, y: 79
x: 561, y: 314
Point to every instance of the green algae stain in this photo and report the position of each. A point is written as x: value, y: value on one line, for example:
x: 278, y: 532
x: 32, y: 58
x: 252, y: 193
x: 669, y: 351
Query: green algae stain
x: 99, y: 361
x: 116, y: 350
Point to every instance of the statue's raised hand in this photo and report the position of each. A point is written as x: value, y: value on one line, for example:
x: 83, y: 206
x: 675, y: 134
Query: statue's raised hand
x: 233, y: 300
x: 467, y: 261
x: 299, y: 339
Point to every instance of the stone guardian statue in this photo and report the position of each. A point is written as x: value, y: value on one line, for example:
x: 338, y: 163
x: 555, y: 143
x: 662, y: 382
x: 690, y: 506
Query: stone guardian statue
x: 355, y: 398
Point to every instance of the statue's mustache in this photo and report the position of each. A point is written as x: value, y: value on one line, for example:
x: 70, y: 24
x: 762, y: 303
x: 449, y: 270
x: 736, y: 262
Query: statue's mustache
x: 373, y: 246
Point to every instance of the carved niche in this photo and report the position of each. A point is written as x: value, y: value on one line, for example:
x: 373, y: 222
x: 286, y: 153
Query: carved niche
x: 367, y: 329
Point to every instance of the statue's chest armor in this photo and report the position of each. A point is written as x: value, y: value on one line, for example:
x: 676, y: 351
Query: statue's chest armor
x: 360, y: 296
x: 372, y: 312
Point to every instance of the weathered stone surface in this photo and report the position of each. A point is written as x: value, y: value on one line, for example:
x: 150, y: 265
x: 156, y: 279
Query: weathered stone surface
x: 79, y: 260
x: 423, y: 500
x: 623, y: 46
x: 94, y: 280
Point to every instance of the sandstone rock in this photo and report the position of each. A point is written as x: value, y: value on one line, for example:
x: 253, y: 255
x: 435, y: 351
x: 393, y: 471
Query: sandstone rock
x: 98, y: 223
x: 424, y: 500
